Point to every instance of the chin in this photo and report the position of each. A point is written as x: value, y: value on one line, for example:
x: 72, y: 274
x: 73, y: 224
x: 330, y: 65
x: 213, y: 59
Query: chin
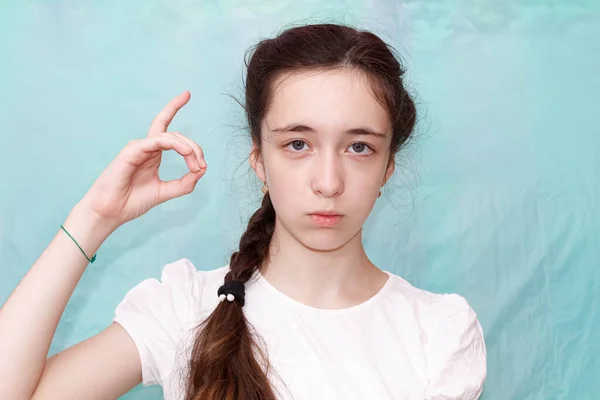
x: 316, y: 238
x: 324, y: 240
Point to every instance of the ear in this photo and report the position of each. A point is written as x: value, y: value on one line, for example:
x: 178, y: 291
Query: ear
x: 257, y: 164
x: 389, y: 171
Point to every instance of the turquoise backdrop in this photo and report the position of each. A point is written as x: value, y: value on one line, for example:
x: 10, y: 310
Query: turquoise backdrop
x: 498, y: 199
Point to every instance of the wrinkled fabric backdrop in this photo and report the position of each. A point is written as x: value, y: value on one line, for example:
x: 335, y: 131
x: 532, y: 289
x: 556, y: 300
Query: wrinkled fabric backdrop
x: 497, y: 198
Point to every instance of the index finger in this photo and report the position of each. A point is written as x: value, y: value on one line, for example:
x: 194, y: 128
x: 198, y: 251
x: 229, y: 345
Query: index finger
x: 165, y: 116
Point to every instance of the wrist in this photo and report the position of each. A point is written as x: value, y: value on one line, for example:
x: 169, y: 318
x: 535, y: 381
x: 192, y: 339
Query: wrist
x: 88, y: 228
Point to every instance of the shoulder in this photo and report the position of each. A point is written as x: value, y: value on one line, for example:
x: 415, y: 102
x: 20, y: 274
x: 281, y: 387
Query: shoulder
x: 183, y: 274
x: 453, y: 341
x: 180, y: 280
x: 185, y: 270
x: 198, y: 288
x: 181, y: 293
x: 432, y: 307
x: 159, y: 313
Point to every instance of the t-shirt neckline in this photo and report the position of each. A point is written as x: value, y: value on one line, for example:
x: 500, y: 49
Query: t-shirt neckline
x: 329, y: 311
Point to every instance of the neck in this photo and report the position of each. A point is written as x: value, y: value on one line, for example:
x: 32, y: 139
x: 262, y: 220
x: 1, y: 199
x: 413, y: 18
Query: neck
x: 323, y: 279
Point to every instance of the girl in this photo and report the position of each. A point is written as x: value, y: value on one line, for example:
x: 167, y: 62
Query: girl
x: 300, y: 312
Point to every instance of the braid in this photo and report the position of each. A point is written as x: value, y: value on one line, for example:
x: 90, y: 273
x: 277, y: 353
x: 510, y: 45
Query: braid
x: 254, y: 243
x: 225, y: 348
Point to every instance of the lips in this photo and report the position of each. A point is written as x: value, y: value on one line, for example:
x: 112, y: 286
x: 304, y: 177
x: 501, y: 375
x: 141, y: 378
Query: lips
x: 326, y: 218
x: 326, y: 212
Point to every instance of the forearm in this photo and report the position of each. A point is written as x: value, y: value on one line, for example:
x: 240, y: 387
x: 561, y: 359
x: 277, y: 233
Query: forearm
x: 29, y: 318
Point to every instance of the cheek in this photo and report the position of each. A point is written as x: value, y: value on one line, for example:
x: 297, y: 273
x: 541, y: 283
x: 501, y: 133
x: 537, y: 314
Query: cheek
x: 365, y: 177
x: 361, y: 190
x: 286, y: 183
x: 361, y: 202
x: 289, y: 192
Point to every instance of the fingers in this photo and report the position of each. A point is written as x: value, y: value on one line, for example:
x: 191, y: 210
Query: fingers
x: 197, y: 149
x: 140, y: 151
x: 179, y: 187
x: 165, y: 116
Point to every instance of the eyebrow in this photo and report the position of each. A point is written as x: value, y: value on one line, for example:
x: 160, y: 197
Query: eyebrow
x: 355, y: 131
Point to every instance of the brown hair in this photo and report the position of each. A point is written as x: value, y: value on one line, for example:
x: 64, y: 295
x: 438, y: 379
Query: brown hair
x: 226, y: 361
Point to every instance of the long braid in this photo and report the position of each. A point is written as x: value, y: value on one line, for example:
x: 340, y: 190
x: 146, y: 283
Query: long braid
x: 254, y: 243
x: 226, y: 349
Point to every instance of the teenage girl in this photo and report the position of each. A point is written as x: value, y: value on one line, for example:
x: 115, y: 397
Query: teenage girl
x: 300, y: 312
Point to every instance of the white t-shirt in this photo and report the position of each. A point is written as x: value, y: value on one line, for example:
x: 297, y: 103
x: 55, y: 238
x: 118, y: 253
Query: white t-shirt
x: 403, y: 343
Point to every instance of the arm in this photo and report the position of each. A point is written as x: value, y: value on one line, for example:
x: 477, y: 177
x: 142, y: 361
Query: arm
x: 105, y: 366
x: 108, y: 362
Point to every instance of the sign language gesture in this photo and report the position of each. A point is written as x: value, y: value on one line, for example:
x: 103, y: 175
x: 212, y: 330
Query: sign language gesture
x: 130, y: 186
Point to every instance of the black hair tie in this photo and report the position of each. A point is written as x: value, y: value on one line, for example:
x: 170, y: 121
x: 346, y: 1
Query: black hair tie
x: 233, y: 290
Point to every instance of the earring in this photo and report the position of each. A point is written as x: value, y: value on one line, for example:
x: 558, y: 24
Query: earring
x: 265, y: 188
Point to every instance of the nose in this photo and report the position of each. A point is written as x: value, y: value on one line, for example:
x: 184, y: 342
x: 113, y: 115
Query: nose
x: 328, y: 175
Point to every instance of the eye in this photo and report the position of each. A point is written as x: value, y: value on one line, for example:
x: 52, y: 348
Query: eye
x: 360, y: 148
x: 296, y: 145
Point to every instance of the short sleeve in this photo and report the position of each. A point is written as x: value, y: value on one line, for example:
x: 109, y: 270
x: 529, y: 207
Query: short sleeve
x: 456, y: 354
x: 156, y: 314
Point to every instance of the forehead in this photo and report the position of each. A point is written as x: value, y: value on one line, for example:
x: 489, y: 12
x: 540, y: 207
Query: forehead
x: 332, y: 99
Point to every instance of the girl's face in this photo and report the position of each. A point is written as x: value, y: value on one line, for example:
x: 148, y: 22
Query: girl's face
x: 325, y: 150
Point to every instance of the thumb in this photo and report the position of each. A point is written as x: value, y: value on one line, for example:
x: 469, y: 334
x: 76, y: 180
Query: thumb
x: 179, y: 187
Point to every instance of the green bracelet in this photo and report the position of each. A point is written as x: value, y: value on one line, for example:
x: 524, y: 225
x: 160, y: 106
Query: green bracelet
x: 90, y: 260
